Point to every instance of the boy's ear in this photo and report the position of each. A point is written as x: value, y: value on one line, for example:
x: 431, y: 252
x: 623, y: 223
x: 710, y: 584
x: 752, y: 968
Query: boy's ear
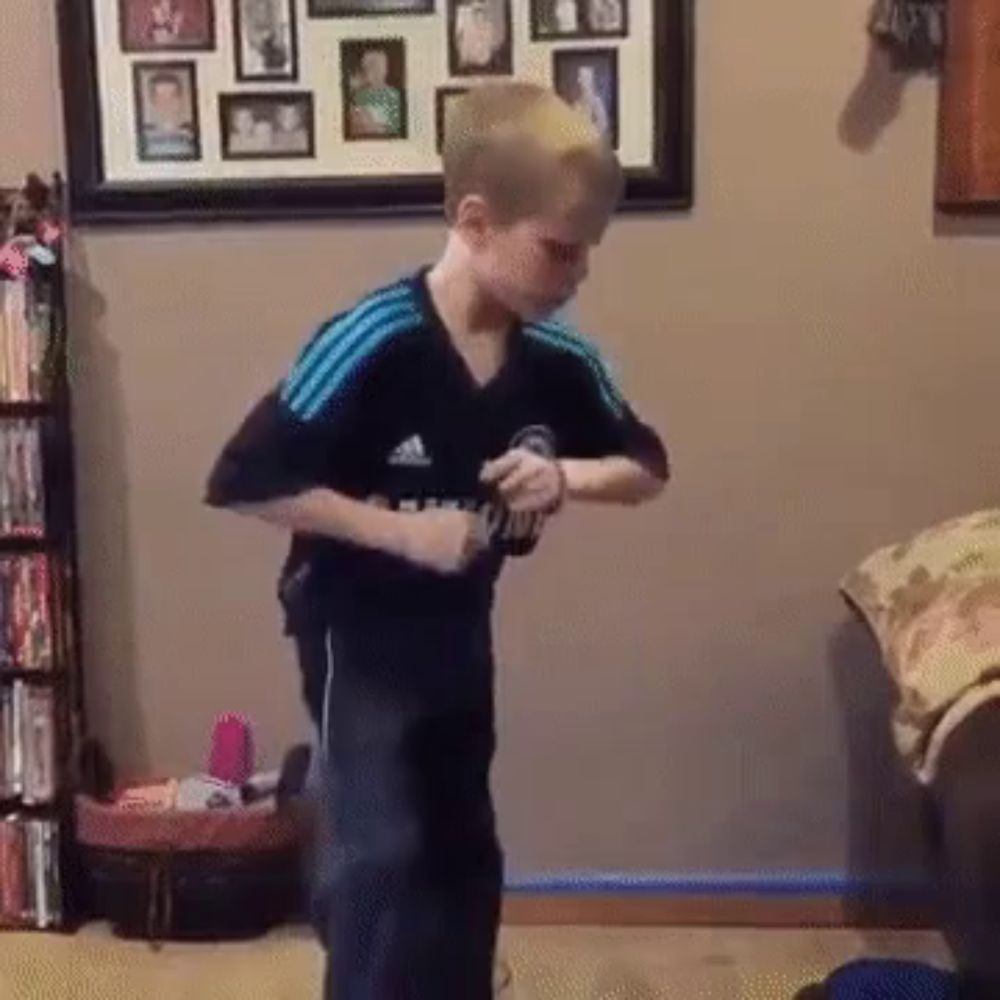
x: 473, y: 220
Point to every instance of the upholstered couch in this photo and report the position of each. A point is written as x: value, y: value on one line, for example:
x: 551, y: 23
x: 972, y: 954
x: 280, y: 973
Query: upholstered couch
x: 932, y: 603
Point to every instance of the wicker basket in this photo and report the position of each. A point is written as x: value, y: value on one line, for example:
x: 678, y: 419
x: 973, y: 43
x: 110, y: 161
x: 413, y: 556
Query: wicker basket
x: 193, y: 875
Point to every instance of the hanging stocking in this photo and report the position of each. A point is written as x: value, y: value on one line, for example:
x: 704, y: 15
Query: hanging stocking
x: 912, y: 30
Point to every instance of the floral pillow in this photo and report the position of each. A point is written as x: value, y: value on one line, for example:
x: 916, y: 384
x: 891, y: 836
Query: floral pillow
x: 933, y: 604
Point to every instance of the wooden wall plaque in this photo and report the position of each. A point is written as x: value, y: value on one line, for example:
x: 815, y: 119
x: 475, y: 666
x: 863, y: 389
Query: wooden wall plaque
x: 968, y: 158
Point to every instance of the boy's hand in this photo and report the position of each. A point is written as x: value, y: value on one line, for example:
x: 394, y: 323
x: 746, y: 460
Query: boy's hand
x: 446, y: 541
x: 526, y: 481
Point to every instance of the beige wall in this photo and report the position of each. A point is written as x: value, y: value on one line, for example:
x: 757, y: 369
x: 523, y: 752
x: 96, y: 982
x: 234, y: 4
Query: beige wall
x: 680, y: 689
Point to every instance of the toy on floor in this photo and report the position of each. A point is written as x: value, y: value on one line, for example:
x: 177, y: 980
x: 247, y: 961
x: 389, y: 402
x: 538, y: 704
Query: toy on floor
x: 229, y: 782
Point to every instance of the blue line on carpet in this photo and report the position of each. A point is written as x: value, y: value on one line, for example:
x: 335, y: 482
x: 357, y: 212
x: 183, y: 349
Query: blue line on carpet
x: 805, y: 883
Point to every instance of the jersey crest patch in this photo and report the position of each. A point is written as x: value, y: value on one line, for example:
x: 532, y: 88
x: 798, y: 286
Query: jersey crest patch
x: 537, y: 438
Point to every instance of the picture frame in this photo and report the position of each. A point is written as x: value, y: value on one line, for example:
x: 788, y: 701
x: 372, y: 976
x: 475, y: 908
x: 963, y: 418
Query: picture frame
x: 165, y: 96
x: 147, y: 26
x: 373, y: 89
x: 121, y: 170
x: 573, y: 20
x: 265, y: 40
x: 588, y: 78
x: 289, y: 117
x: 480, y: 38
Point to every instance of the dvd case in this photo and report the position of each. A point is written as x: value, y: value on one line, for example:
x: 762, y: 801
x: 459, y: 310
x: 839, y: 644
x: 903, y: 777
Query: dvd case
x: 13, y: 872
x: 38, y: 742
x: 7, y: 788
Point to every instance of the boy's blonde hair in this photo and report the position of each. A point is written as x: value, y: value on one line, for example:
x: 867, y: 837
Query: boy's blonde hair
x: 525, y: 150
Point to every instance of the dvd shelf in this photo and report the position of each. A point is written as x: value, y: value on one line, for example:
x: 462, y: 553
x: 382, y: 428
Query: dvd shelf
x: 41, y: 705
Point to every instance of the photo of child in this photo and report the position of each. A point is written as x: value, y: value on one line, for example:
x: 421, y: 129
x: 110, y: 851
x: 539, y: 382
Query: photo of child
x: 374, y: 87
x: 578, y: 18
x: 154, y: 25
x: 588, y: 79
x: 605, y: 17
x: 479, y: 37
x: 266, y: 126
x: 165, y: 21
x: 166, y: 111
x: 266, y: 44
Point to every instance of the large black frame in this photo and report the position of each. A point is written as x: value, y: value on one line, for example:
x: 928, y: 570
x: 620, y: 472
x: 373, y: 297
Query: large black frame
x: 667, y: 185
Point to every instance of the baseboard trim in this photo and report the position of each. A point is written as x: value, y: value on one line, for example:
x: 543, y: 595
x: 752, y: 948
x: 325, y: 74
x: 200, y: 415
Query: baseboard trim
x: 799, y: 900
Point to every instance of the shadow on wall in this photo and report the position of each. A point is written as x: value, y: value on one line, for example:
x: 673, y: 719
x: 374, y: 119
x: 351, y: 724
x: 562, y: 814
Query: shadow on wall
x: 874, y: 104
x: 887, y: 808
x: 106, y: 591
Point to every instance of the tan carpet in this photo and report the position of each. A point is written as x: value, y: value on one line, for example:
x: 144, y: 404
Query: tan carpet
x: 556, y: 963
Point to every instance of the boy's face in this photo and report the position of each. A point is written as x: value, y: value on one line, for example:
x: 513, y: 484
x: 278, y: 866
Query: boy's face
x: 288, y: 117
x: 243, y: 121
x: 261, y: 14
x: 374, y: 68
x: 167, y: 105
x: 534, y: 266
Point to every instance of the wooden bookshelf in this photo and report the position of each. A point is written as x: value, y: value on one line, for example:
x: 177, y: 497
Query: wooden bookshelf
x: 41, y: 703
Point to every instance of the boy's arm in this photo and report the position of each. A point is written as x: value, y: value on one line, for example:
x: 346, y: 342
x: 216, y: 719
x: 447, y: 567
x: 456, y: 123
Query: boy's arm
x: 609, y: 454
x: 442, y: 540
x: 616, y: 479
x: 326, y: 512
x: 634, y: 466
x: 609, y: 458
x: 273, y: 467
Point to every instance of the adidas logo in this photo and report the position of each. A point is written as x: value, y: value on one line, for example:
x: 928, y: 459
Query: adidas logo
x: 410, y: 452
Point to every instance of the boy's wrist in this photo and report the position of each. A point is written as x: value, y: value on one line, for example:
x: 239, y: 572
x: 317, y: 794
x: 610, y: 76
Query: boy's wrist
x: 563, y: 495
x: 392, y: 532
x: 574, y: 478
x: 614, y: 479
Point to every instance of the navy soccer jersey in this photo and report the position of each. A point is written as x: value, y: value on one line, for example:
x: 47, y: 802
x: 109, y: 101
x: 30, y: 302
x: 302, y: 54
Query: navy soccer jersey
x: 380, y: 406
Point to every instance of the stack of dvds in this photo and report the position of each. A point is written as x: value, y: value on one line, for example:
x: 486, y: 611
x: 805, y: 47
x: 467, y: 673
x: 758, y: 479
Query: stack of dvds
x: 22, y: 502
x: 30, y: 886
x: 27, y: 743
x: 25, y: 613
x: 25, y: 327
x: 41, y: 721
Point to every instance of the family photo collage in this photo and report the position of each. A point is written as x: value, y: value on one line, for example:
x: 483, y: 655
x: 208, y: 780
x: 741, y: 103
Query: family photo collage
x: 264, y: 115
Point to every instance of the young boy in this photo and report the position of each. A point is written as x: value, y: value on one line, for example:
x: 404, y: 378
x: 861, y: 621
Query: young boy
x: 422, y: 436
x: 376, y: 106
x: 168, y: 133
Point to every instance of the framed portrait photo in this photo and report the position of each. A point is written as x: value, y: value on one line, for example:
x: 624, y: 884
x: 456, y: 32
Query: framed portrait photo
x: 187, y: 110
x: 588, y: 80
x: 267, y: 125
x: 166, y: 25
x: 373, y: 88
x: 552, y: 20
x: 265, y: 40
x: 166, y: 111
x: 480, y: 41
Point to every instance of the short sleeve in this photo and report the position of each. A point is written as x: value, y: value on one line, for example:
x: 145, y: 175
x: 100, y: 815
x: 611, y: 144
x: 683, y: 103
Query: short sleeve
x: 275, y: 452
x: 600, y: 422
x: 313, y: 428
